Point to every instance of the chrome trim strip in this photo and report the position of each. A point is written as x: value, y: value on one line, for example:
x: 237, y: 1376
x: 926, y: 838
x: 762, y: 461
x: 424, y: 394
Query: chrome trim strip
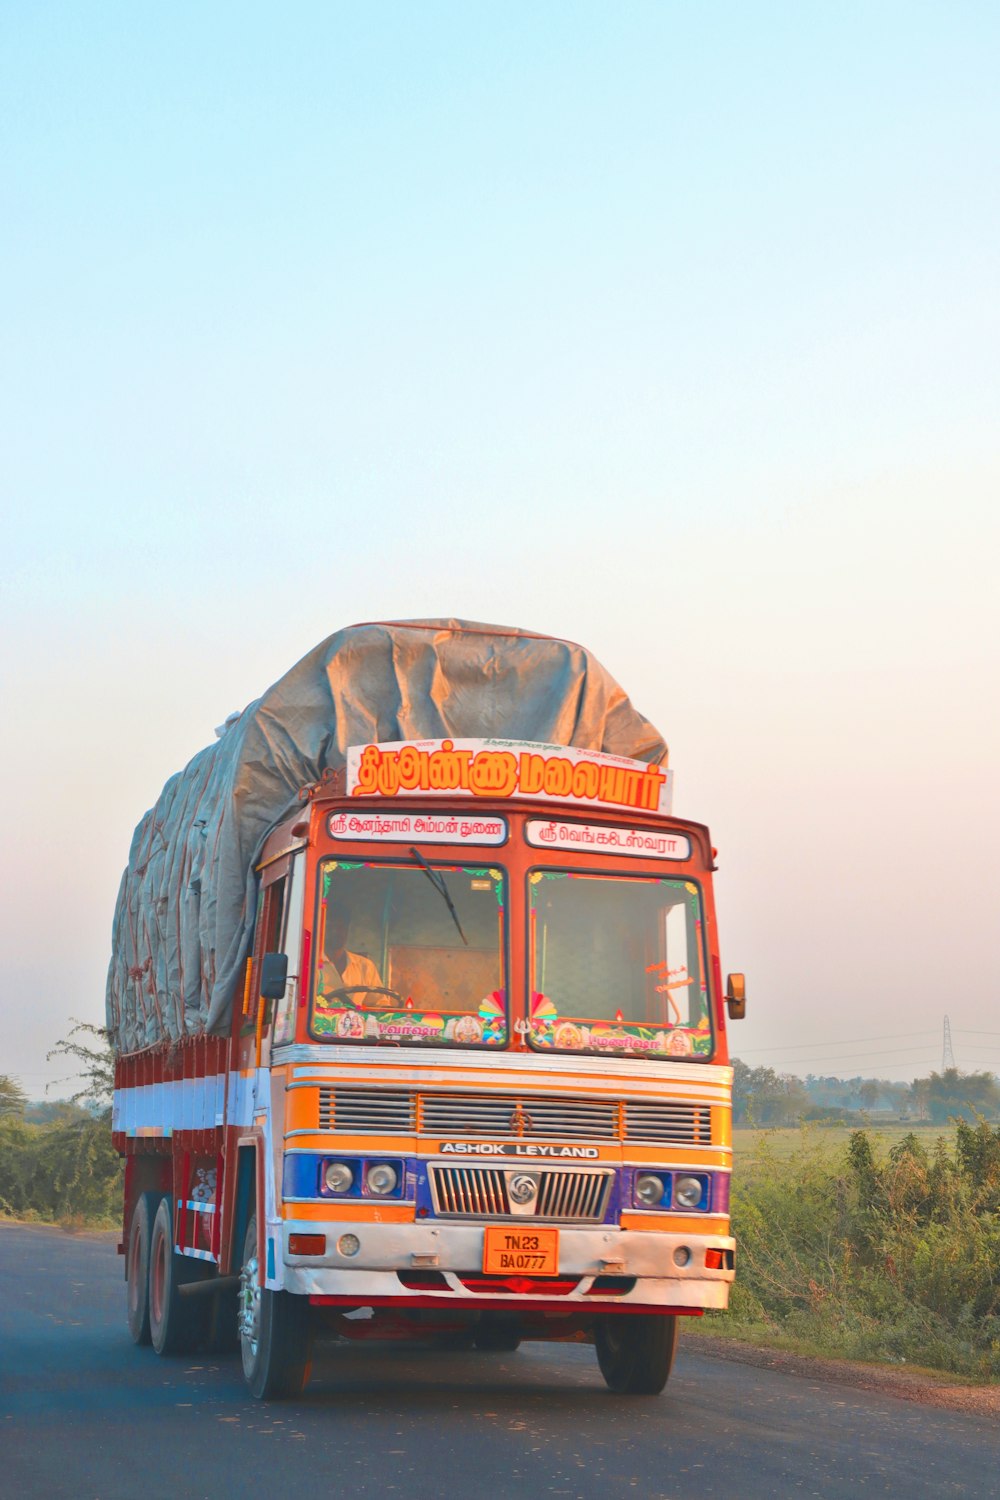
x: 340, y: 1202
x: 559, y: 1092
x: 566, y: 1194
x: 699, y: 1074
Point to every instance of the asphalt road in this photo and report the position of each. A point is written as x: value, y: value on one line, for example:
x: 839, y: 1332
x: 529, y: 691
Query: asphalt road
x: 84, y: 1414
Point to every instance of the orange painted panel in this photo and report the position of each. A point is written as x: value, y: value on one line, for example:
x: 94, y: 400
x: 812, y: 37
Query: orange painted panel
x: 358, y: 1213
x: 352, y: 1145
x: 704, y: 1157
x: 722, y: 1125
x: 677, y: 1223
x: 301, y: 1109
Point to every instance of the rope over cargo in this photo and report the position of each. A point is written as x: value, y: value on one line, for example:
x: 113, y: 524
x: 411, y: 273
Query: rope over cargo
x: 184, y: 916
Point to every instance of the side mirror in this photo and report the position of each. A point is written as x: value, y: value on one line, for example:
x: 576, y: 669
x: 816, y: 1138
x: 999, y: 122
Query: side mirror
x: 736, y: 996
x: 273, y: 975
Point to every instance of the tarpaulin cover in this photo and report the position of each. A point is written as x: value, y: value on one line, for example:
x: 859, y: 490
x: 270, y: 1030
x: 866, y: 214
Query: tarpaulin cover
x: 185, y: 912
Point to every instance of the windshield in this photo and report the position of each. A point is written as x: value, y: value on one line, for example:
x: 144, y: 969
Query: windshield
x: 617, y: 965
x: 411, y: 954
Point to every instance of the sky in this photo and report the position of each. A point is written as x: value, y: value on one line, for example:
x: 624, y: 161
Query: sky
x: 669, y: 329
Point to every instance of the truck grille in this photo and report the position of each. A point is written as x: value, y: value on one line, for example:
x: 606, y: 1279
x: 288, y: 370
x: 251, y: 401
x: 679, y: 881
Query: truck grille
x: 503, y: 1115
x: 385, y: 1111
x: 668, y: 1122
x: 481, y: 1192
x: 561, y: 1117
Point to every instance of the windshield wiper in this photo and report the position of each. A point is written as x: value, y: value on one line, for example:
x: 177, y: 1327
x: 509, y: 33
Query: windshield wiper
x: 437, y: 881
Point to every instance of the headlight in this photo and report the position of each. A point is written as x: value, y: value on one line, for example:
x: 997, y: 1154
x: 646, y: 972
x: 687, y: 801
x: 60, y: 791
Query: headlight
x: 649, y: 1189
x: 381, y: 1178
x: 338, y: 1177
x: 688, y: 1191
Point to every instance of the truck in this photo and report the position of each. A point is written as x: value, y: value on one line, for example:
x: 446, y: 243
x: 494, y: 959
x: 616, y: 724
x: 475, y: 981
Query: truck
x: 420, y: 1030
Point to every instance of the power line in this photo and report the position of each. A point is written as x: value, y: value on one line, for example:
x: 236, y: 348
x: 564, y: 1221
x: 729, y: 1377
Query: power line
x: 897, y: 1052
x: 854, y: 1041
x: 916, y: 1062
x: 801, y: 1062
x: 890, y: 1052
x: 810, y: 1057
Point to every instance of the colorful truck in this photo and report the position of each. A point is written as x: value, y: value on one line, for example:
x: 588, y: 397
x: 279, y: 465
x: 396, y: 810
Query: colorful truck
x: 419, y: 1019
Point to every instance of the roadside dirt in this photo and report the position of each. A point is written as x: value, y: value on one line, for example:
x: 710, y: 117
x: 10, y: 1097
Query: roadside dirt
x: 74, y: 1231
x: 905, y: 1385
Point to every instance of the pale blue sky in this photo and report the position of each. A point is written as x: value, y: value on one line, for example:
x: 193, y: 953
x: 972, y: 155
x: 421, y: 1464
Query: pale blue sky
x: 669, y: 328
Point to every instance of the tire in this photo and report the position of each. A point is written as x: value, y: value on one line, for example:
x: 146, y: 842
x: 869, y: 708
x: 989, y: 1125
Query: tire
x: 275, y: 1332
x: 635, y: 1352
x: 497, y: 1336
x: 175, y: 1326
x: 137, y: 1267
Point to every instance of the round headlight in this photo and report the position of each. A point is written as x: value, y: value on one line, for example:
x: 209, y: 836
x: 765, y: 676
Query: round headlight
x: 649, y: 1189
x: 381, y: 1178
x: 348, y: 1244
x: 523, y: 1187
x: 687, y: 1192
x: 338, y: 1177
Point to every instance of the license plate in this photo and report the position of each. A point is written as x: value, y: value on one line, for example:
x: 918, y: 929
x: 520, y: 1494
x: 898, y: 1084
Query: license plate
x: 526, y: 1252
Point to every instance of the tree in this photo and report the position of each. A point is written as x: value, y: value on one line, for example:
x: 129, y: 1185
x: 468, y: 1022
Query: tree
x: 869, y: 1092
x: 96, y: 1065
x: 919, y: 1096
x: 13, y: 1099
x: 949, y: 1093
x: 765, y: 1097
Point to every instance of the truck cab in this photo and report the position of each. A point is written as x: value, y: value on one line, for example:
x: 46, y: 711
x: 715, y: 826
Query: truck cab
x: 490, y: 1069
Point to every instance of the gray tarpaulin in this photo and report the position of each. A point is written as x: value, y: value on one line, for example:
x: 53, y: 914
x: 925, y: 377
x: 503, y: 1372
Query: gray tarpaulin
x: 185, y: 911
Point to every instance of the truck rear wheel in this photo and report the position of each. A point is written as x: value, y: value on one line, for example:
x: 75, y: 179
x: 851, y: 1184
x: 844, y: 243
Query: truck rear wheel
x: 137, y: 1266
x: 497, y: 1335
x: 635, y: 1352
x: 174, y: 1325
x: 275, y: 1332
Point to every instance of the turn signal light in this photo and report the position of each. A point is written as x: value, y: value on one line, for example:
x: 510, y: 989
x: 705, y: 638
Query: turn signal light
x: 307, y: 1244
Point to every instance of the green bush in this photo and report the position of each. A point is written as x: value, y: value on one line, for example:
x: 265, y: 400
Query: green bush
x: 64, y: 1172
x: 888, y: 1258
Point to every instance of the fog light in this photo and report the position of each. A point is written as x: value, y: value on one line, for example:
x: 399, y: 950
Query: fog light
x: 649, y: 1189
x: 687, y: 1192
x: 381, y: 1178
x: 348, y: 1244
x: 682, y: 1255
x: 338, y: 1177
x: 523, y: 1187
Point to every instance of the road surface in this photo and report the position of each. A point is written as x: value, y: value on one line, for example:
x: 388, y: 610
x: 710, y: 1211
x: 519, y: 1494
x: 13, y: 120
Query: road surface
x: 87, y: 1416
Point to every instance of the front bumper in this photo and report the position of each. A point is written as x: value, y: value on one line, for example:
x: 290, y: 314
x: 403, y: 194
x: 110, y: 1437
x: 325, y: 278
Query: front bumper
x: 454, y: 1249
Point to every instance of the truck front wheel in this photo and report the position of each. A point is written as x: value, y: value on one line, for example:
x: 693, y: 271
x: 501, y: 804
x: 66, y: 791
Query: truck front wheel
x: 635, y: 1352
x: 275, y: 1332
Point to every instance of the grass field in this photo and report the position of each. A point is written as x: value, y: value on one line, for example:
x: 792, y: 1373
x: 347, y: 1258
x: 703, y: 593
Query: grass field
x: 750, y: 1145
x: 756, y: 1149
x: 851, y: 1249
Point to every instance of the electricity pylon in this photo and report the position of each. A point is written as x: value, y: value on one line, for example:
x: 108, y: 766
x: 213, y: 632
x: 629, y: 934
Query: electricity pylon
x: 947, y: 1055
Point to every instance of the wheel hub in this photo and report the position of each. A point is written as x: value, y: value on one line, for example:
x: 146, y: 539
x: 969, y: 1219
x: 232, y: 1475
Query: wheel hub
x: 249, y: 1305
